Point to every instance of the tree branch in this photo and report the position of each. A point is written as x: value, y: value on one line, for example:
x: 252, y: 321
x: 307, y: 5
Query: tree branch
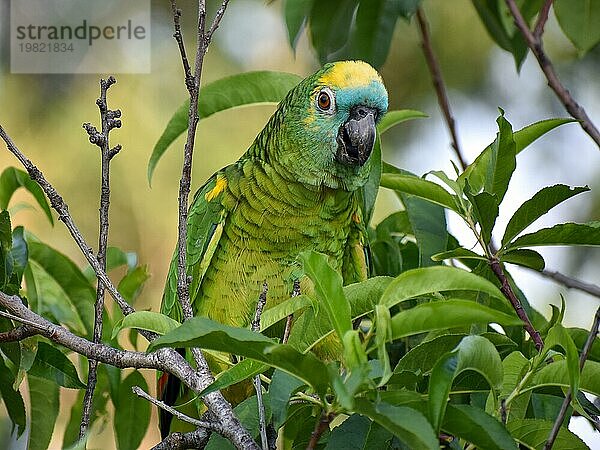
x: 320, y: 428
x: 110, y: 120
x: 194, y: 439
x: 565, y: 404
x: 438, y: 84
x: 510, y: 295
x: 262, y: 301
x: 534, y: 42
x: 185, y: 418
x: 571, y: 282
x: 542, y: 19
x: 216, y: 22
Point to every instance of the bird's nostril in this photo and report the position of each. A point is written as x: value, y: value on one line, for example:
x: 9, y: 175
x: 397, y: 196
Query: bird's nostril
x: 360, y: 112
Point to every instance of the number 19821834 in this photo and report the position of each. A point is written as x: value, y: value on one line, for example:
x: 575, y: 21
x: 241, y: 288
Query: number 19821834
x: 45, y: 47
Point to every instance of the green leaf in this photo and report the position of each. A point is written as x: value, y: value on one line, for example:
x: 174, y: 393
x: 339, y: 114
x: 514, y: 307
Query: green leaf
x: 395, y: 117
x: 273, y: 315
x: 282, y: 386
x: 557, y: 374
x: 579, y: 20
x: 458, y: 253
x: 580, y: 336
x: 408, y: 8
x: 132, y: 416
x: 502, y: 161
x: 243, y: 370
x: 19, y: 253
x: 477, y: 170
x: 383, y: 327
x: 12, y: 399
x: 533, y: 433
x: 45, y: 402
x: 358, y: 433
x: 524, y: 257
x: 542, y: 202
x: 12, y: 179
x: 146, y: 320
x: 62, y: 290
x: 477, y: 427
x: 204, y: 333
x: 428, y: 222
x: 409, y: 425
x: 530, y: 133
x: 411, y: 184
x: 115, y: 257
x: 485, y: 207
x: 373, y: 30
x: 51, y: 364
x: 368, y: 193
x: 311, y: 327
x: 328, y: 290
x: 330, y: 25
x: 472, y: 353
x: 558, y: 336
x: 237, y: 90
x: 561, y: 234
x: 422, y: 358
x: 418, y: 282
x: 132, y: 283
x: 446, y: 314
x: 296, y: 12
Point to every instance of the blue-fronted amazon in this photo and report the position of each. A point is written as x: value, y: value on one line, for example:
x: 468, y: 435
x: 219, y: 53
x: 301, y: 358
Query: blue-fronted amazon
x: 296, y: 188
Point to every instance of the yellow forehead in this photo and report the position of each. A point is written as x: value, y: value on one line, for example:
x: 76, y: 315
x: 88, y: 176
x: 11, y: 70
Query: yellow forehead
x: 350, y: 74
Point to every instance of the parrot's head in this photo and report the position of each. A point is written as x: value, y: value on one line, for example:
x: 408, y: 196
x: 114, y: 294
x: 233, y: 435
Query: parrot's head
x: 327, y: 125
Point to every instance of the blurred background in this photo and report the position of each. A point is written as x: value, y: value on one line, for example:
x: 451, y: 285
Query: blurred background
x: 43, y: 114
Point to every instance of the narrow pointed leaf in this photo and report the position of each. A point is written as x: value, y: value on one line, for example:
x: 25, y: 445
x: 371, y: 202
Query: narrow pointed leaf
x: 393, y: 118
x: 533, y: 434
x: 146, y: 320
x: 446, y: 314
x: 409, y: 425
x: 51, y: 364
x: 237, y: 90
x: 472, y: 353
x: 458, y: 253
x: 243, y: 370
x: 524, y: 257
x: 542, y: 202
x: 12, y: 179
x: 561, y: 234
x: 45, y: 403
x: 411, y: 184
x: 328, y: 290
x: 579, y: 21
x: 13, y: 401
x: 296, y: 12
x: 132, y: 417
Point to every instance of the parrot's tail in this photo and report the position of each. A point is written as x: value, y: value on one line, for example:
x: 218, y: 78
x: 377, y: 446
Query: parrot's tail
x: 168, y: 389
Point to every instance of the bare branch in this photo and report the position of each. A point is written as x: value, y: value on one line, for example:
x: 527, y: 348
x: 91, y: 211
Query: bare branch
x: 565, y: 404
x: 59, y: 205
x: 571, y: 282
x: 262, y: 301
x: 563, y: 94
x: 183, y: 417
x: 193, y: 439
x: 542, y: 19
x: 290, y: 318
x: 216, y: 21
x: 17, y: 334
x: 510, y: 295
x: 438, y: 84
x: 110, y: 120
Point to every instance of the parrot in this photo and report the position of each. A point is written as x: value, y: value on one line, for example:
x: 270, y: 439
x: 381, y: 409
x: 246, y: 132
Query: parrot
x: 296, y: 188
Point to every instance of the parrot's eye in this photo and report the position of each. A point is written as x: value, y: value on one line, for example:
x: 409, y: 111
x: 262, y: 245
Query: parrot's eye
x: 325, y: 100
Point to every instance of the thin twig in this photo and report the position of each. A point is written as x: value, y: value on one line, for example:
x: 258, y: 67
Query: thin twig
x: 535, y: 44
x: 181, y: 416
x: 17, y: 334
x: 320, y: 428
x: 438, y: 84
x: 110, y: 120
x: 216, y: 22
x: 193, y: 439
x: 289, y: 321
x: 21, y: 320
x: 565, y: 404
x: 262, y: 301
x: 542, y: 19
x: 214, y: 401
x: 510, y: 295
x: 571, y: 282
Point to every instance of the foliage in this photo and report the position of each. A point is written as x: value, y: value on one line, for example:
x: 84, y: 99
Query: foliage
x: 428, y: 350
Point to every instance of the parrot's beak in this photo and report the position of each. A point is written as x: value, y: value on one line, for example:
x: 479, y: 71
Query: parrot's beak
x: 356, y: 137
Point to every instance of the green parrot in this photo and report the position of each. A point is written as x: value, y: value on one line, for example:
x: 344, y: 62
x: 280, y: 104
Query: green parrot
x: 296, y: 188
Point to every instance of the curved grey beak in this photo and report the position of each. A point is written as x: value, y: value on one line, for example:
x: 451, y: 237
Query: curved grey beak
x: 356, y: 137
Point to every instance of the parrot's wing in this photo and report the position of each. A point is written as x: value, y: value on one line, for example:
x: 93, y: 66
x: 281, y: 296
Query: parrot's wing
x: 205, y: 226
